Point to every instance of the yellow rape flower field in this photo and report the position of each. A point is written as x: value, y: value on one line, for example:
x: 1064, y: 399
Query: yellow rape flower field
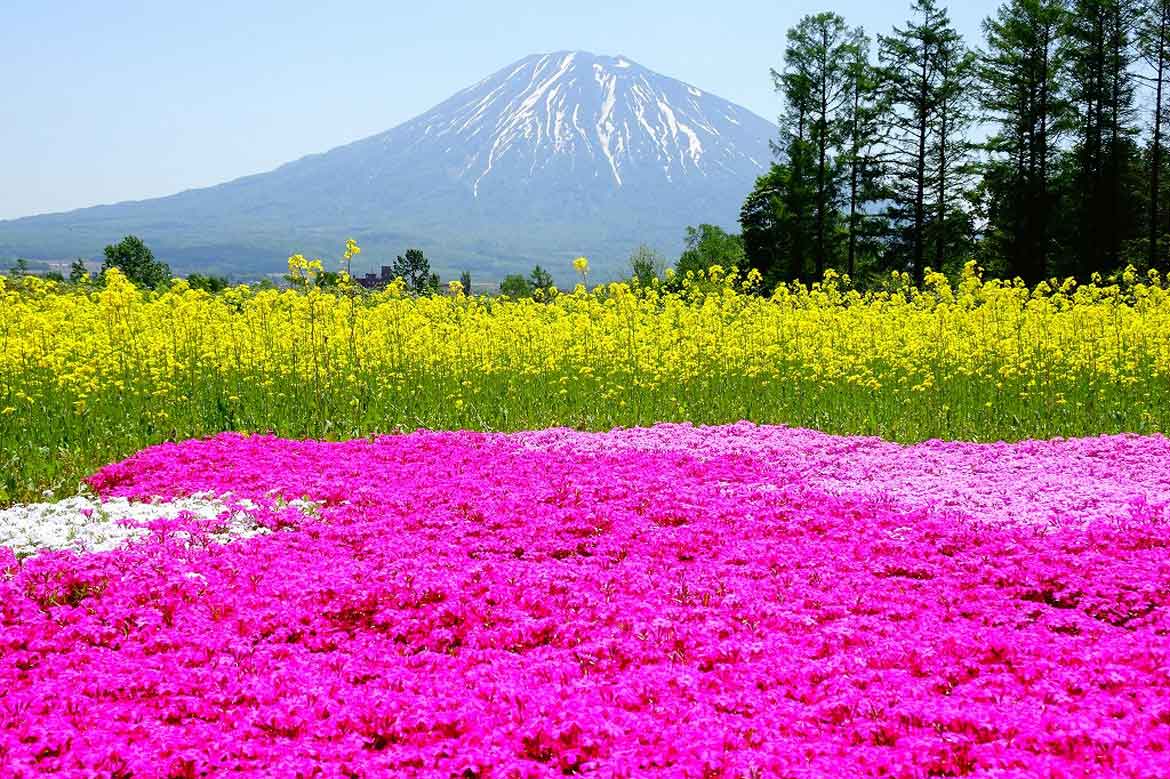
x: 91, y: 374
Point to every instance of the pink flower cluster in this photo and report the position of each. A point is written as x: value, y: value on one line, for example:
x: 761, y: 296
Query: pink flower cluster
x: 677, y: 601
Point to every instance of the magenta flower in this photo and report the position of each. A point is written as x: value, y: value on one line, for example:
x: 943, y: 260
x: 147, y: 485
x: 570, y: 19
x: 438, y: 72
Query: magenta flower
x: 673, y: 601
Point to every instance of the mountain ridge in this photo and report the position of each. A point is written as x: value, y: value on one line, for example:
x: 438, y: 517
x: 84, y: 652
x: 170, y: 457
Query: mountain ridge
x: 552, y: 156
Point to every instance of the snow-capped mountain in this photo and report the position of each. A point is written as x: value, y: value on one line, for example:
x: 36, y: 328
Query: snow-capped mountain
x: 594, y: 116
x: 554, y: 156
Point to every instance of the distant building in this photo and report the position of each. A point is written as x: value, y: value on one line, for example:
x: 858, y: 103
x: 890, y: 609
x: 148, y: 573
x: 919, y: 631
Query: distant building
x: 378, y: 280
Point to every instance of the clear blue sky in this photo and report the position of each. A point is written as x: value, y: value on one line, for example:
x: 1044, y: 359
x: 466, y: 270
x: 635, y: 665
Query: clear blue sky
x: 114, y: 100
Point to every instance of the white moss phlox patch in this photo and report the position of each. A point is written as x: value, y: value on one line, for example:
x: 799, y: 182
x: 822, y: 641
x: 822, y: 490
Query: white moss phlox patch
x: 87, y: 523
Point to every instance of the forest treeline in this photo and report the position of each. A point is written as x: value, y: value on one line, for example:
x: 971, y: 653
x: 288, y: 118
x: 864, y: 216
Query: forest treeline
x: 1038, y: 153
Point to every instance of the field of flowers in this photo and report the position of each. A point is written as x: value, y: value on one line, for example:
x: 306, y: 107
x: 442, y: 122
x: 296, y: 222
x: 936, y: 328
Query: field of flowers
x: 671, y: 601
x: 92, y: 374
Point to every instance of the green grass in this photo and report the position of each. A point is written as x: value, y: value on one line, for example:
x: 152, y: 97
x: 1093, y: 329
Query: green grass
x: 51, y: 445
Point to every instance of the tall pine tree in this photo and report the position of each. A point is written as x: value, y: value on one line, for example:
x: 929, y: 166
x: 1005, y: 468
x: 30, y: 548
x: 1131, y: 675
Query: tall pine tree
x: 1023, y: 96
x: 951, y: 147
x: 860, y: 148
x: 819, y: 47
x: 818, y: 85
x: 1154, y: 44
x: 766, y: 227
x: 794, y: 150
x: 1100, y: 58
x: 924, y: 70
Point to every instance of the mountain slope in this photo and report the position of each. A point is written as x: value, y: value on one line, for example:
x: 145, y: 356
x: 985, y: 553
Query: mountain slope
x: 554, y: 156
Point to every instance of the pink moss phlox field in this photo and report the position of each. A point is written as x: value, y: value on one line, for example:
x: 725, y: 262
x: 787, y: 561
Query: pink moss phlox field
x: 677, y: 601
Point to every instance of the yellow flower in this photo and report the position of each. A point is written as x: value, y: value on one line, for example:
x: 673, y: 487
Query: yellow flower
x: 955, y: 343
x: 351, y: 249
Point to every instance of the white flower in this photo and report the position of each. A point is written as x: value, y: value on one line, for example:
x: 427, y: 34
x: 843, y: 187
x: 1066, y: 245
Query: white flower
x: 90, y: 524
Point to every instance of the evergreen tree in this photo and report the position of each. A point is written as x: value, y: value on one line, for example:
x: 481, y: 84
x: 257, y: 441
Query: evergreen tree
x: 646, y: 265
x: 78, y: 271
x: 1022, y: 94
x: 925, y: 73
x: 540, y: 278
x: 515, y: 286
x: 709, y: 245
x: 818, y: 90
x: 951, y: 148
x: 794, y: 150
x: 415, y: 270
x: 465, y: 281
x: 1154, y: 45
x: 1100, y: 56
x: 1062, y: 188
x: 859, y: 148
x: 766, y: 228
x: 134, y: 258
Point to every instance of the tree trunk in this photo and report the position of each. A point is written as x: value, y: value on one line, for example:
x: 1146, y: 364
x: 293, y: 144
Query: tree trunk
x: 1114, y: 195
x: 853, y: 171
x: 920, y: 172
x: 1156, y: 151
x: 822, y: 143
x: 821, y: 205
x: 940, y: 228
x: 1041, y: 208
x: 1093, y: 219
x: 796, y: 269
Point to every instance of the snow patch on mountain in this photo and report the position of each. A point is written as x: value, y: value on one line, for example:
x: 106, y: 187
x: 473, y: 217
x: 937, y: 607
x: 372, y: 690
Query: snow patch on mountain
x: 606, y: 112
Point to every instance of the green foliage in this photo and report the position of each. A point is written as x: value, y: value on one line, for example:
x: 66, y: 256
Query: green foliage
x: 646, y: 266
x: 415, y: 270
x: 764, y: 223
x: 809, y: 213
x: 208, y: 283
x: 465, y: 281
x: 1102, y: 93
x: 515, y: 286
x: 20, y: 268
x: 818, y: 85
x: 1153, y: 38
x: 926, y: 83
x: 540, y: 278
x: 877, y: 167
x: 78, y: 271
x: 861, y: 152
x: 708, y: 245
x: 134, y: 259
x: 1023, y: 93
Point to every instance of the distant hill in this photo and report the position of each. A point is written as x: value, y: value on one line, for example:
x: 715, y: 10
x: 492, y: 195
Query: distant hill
x: 552, y: 157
